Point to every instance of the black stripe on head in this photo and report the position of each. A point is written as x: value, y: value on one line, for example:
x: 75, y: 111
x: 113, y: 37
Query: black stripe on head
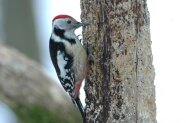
x: 60, y: 33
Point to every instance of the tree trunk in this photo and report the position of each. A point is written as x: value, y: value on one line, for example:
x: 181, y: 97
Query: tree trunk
x: 120, y: 83
x: 19, y: 27
x: 1, y: 22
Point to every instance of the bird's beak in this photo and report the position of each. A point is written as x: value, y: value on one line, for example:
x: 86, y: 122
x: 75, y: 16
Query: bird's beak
x: 83, y: 24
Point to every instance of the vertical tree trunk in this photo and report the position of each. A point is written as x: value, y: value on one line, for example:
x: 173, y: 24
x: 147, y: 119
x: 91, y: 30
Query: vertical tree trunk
x: 19, y: 27
x: 120, y: 83
x: 1, y: 22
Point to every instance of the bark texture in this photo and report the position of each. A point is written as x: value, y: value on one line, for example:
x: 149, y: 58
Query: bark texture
x: 120, y: 83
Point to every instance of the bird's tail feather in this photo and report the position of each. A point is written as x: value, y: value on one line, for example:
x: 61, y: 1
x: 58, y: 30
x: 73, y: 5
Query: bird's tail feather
x: 78, y: 103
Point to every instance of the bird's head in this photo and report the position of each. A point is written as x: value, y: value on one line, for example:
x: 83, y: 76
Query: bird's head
x: 66, y: 22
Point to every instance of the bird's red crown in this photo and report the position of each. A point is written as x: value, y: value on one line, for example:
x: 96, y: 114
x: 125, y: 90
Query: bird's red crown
x: 60, y: 17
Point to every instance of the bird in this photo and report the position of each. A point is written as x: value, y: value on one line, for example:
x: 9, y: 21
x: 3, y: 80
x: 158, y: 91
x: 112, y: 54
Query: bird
x: 68, y: 56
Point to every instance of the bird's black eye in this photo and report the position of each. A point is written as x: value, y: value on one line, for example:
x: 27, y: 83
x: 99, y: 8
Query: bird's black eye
x: 69, y: 22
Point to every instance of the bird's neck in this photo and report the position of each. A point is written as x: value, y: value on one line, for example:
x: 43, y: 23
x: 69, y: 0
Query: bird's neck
x: 68, y: 35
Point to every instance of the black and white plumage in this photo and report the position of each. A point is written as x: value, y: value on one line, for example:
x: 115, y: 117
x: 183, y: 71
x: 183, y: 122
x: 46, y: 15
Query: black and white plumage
x: 68, y: 56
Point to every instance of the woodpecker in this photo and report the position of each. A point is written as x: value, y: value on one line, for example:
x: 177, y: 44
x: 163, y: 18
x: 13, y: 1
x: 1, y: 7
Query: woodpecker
x: 68, y: 56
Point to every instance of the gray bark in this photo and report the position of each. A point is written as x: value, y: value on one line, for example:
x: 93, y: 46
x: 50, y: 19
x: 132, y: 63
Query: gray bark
x: 120, y: 83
